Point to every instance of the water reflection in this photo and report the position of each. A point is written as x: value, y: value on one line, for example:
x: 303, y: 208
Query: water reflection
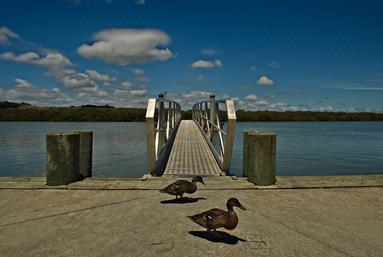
x: 303, y: 148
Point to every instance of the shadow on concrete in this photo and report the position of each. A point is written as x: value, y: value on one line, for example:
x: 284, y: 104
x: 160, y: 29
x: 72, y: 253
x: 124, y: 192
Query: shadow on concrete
x: 182, y: 200
x: 217, y: 237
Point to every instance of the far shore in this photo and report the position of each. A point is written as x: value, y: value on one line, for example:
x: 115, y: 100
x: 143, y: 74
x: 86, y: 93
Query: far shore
x: 107, y: 114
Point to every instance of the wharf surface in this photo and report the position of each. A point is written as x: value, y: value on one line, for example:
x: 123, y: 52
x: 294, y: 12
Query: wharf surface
x: 131, y: 218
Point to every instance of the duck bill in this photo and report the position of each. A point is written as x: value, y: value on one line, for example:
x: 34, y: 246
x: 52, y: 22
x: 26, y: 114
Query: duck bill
x: 241, y: 206
x: 203, y: 182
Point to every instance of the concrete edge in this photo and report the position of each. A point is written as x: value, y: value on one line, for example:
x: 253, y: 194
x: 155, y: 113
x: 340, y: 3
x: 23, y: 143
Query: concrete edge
x: 219, y: 183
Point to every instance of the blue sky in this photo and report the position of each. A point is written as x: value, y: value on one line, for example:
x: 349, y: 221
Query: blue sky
x: 266, y: 55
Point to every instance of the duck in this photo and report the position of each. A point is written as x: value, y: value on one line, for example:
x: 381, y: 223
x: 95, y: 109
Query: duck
x: 180, y: 187
x: 217, y: 218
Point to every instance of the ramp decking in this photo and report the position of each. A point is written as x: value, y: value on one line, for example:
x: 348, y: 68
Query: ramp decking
x: 191, y: 154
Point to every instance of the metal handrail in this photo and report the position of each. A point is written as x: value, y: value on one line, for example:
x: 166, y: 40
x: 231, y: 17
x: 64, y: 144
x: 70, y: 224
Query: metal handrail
x: 160, y: 133
x: 206, y: 115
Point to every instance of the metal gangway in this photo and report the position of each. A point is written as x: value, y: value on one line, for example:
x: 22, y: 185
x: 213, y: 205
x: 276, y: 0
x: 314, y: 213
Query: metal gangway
x: 201, y: 146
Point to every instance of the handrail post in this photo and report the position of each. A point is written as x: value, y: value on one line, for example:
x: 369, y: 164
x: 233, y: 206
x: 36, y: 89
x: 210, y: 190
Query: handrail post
x: 150, y: 135
x: 212, y: 108
x: 160, y: 133
x: 231, y: 121
x: 161, y: 120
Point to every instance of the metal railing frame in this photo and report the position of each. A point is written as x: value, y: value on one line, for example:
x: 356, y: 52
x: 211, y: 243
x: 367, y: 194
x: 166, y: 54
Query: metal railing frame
x: 206, y: 115
x: 160, y: 133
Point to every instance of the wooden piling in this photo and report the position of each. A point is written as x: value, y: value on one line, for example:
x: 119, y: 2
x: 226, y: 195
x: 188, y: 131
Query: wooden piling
x: 86, y: 151
x: 68, y: 157
x: 259, y: 157
x: 62, y: 158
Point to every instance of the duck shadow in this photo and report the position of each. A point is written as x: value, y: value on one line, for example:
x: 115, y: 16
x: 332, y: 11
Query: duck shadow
x: 183, y: 200
x: 217, y: 237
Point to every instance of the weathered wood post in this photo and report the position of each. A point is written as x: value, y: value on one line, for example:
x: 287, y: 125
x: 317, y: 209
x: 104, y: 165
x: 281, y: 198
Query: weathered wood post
x: 160, y: 126
x: 68, y: 157
x: 151, y: 135
x: 212, y: 108
x: 259, y: 157
x: 62, y: 158
x: 229, y: 142
x: 86, y: 151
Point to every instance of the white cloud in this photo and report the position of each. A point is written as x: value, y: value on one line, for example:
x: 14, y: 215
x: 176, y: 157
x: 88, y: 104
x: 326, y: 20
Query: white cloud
x: 128, y: 46
x: 100, y: 77
x: 51, y: 60
x: 203, y: 64
x: 129, y: 89
x: 253, y: 68
x: 251, y: 97
x: 140, y: 75
x: 89, y: 92
x: 262, y: 102
x: 24, y: 91
x: 138, y: 72
x: 6, y: 34
x: 265, y: 81
x: 78, y: 80
x: 326, y: 109
x: 197, y: 94
x: 218, y: 63
x: 59, y: 66
x: 140, y: 2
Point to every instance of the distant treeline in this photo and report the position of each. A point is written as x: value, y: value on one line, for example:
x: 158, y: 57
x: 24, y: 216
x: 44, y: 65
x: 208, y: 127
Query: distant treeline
x: 73, y: 114
x: 138, y: 114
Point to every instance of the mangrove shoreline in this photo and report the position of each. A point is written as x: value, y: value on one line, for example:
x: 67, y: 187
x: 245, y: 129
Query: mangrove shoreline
x: 84, y: 114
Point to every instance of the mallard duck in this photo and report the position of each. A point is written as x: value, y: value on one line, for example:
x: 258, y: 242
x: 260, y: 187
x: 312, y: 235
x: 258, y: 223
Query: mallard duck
x: 181, y: 187
x: 217, y: 218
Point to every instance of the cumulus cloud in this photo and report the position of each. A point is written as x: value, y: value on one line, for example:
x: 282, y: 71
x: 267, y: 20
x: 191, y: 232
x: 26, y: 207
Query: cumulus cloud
x: 129, y: 89
x: 6, y: 34
x: 24, y: 91
x: 100, y: 77
x: 251, y: 97
x: 265, y: 81
x: 128, y: 46
x: 78, y: 80
x: 262, y: 102
x: 50, y: 60
x: 197, y: 94
x: 203, y: 64
x: 139, y: 74
x: 218, y: 63
x: 58, y: 66
x: 92, y: 92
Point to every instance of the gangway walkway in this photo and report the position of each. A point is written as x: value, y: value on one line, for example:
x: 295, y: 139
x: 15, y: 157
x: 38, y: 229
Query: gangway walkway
x: 190, y: 153
x: 202, y: 146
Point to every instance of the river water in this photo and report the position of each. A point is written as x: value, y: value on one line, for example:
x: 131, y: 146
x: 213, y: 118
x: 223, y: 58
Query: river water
x: 119, y: 149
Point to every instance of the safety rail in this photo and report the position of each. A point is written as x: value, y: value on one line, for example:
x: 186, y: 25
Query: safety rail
x: 160, y: 134
x: 207, y: 115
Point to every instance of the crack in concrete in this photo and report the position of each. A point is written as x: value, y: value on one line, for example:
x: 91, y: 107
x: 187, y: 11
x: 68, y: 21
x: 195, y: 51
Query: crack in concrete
x: 70, y: 212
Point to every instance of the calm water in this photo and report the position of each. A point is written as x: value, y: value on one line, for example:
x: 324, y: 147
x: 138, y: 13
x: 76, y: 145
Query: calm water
x: 303, y: 148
